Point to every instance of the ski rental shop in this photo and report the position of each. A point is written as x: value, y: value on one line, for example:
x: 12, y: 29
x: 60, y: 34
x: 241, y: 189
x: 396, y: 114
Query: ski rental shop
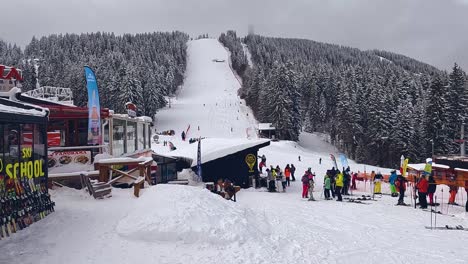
x: 23, y: 166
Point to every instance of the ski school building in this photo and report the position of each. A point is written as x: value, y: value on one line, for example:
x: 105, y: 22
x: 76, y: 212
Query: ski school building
x: 233, y: 159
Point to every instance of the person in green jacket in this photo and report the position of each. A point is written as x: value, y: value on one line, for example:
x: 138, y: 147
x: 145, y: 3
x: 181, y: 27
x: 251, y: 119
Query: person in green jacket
x: 339, y: 185
x: 327, y: 186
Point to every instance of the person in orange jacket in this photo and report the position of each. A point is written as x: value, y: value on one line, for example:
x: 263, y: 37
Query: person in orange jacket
x: 453, y: 193
x: 422, y: 186
x: 287, y: 173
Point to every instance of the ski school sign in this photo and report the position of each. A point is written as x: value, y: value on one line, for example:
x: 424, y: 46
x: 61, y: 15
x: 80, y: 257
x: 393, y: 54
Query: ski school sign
x: 23, y: 169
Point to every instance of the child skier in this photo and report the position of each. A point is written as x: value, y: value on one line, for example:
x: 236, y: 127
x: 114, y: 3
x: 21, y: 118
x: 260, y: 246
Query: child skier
x: 305, y: 185
x: 453, y: 194
x: 271, y: 181
x: 287, y: 174
x: 391, y: 180
x: 311, y: 187
x: 378, y: 183
x: 353, y: 185
x: 327, y: 186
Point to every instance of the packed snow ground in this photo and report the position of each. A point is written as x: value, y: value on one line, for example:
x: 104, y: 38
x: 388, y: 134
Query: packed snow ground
x: 186, y: 224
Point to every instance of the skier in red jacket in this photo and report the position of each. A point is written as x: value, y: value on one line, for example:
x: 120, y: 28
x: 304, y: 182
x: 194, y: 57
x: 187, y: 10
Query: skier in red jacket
x: 400, y: 184
x: 422, y: 191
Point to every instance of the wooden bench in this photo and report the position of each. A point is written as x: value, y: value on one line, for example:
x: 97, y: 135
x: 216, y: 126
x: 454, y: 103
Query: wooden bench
x: 96, y: 189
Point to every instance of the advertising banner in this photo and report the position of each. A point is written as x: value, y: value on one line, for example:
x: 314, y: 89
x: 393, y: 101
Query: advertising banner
x: 65, y: 158
x: 344, y: 161
x: 94, y: 114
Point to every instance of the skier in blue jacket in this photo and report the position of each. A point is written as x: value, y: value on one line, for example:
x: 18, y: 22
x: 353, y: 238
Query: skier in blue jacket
x: 391, y: 180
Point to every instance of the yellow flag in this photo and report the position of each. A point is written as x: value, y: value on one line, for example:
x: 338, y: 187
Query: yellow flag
x: 405, y: 167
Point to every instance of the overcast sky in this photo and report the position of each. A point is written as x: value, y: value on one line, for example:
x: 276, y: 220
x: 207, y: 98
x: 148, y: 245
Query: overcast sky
x: 434, y: 31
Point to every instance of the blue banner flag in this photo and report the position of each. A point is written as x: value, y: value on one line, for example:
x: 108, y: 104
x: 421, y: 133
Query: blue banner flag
x: 344, y: 161
x: 94, y: 108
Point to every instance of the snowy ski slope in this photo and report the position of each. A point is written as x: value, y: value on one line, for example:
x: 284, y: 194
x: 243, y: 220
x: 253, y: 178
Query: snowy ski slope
x: 208, y: 100
x: 184, y: 224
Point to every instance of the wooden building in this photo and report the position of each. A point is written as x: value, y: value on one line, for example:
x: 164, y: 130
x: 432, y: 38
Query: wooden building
x: 233, y: 159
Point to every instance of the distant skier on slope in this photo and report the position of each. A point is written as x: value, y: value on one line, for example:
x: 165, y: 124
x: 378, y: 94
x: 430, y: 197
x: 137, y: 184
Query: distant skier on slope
x: 183, y: 135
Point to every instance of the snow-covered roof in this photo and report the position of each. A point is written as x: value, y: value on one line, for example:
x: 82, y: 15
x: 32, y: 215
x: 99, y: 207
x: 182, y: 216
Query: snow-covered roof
x: 125, y: 159
x: 32, y: 111
x: 266, y: 126
x: 460, y: 169
x: 46, y: 100
x: 138, y: 118
x: 214, y: 148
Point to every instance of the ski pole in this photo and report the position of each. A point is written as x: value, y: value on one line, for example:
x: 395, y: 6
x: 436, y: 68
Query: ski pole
x: 431, y: 215
x: 435, y: 216
x: 442, y: 203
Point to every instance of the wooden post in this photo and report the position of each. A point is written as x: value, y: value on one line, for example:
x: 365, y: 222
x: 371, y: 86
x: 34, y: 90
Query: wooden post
x: 103, y: 173
x: 148, y: 173
x: 141, y: 167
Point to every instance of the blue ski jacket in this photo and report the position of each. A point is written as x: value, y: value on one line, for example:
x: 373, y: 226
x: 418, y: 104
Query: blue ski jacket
x: 392, y: 178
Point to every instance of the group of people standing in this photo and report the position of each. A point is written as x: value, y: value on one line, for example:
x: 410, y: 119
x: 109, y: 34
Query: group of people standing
x: 339, y: 183
x: 279, y: 179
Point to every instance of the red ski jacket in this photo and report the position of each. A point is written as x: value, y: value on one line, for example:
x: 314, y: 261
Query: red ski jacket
x: 423, y: 185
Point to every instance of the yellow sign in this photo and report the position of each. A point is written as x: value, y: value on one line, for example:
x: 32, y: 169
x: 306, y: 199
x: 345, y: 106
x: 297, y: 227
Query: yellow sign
x: 28, y: 169
x: 250, y: 159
